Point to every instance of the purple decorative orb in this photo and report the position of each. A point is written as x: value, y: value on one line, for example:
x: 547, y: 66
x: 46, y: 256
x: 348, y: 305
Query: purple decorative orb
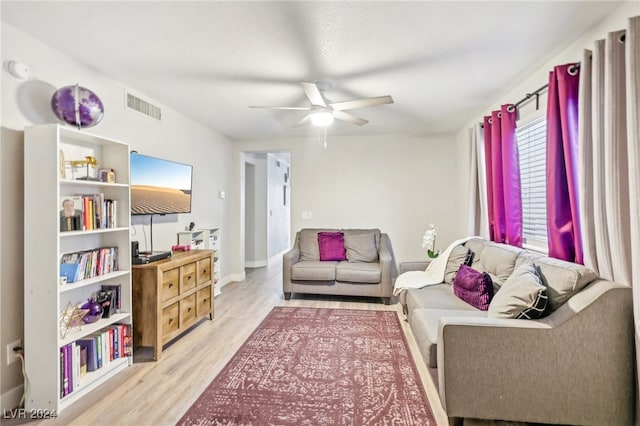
x: 95, y: 311
x: 77, y: 106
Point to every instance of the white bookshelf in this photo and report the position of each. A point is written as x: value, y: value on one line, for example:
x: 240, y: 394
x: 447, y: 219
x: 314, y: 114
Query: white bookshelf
x: 44, y: 294
x: 207, y: 239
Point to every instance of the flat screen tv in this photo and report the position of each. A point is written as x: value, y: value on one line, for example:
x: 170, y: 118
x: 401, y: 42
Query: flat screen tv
x: 159, y: 186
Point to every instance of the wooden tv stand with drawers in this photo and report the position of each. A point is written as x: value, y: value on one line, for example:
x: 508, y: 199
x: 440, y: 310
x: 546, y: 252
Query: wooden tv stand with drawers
x: 171, y: 295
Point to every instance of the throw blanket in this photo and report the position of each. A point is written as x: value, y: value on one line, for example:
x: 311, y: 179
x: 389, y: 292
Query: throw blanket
x: 434, y: 274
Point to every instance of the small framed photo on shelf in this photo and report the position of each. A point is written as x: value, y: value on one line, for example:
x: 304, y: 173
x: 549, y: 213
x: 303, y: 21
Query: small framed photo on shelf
x: 107, y: 299
x: 107, y: 175
x: 71, y: 213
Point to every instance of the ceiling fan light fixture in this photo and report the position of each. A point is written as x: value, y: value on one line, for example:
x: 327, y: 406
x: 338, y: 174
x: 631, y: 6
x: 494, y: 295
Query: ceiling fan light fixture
x: 321, y: 118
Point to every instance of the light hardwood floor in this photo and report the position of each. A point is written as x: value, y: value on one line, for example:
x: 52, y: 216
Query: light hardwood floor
x: 158, y: 393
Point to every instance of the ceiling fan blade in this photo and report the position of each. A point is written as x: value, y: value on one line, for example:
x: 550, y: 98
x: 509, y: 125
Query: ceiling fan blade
x: 313, y: 93
x: 303, y: 121
x: 361, y: 103
x: 349, y: 118
x: 277, y: 107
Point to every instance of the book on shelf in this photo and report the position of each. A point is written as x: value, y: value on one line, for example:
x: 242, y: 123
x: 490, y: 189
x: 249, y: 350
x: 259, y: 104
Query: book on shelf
x: 108, y: 335
x: 89, y: 344
x: 127, y: 340
x: 107, y: 299
x: 99, y: 351
x: 68, y: 368
x: 116, y: 288
x: 66, y: 381
x: 72, y: 367
x: 91, y: 353
x: 64, y: 384
x: 75, y: 365
x: 83, y: 360
x: 86, y: 212
x: 113, y: 332
x: 81, y: 265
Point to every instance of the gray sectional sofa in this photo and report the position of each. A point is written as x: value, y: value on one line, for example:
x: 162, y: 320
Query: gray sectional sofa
x: 575, y: 365
x: 368, y: 269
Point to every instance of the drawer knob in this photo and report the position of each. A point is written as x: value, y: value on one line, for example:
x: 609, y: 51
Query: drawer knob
x: 170, y: 285
x: 189, y: 278
x: 189, y: 310
x: 170, y: 320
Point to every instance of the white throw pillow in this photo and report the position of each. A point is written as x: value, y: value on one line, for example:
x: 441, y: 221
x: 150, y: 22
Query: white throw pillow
x: 522, y: 296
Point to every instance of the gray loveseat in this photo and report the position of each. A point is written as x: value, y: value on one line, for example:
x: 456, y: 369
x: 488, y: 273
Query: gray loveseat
x: 368, y: 270
x: 575, y: 365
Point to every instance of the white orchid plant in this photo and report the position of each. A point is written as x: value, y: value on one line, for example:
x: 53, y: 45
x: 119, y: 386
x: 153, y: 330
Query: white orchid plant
x: 429, y: 241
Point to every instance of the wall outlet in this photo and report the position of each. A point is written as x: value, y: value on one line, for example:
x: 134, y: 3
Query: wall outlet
x: 12, y: 356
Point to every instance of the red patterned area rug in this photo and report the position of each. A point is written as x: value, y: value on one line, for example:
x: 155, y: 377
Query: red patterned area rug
x: 308, y: 366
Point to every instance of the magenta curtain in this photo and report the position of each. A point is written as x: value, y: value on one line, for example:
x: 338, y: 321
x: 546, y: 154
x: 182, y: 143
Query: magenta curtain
x: 562, y: 164
x: 487, y: 159
x: 504, y: 200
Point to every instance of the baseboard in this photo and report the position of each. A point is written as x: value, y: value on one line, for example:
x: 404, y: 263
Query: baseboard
x: 240, y: 276
x: 255, y: 263
x: 11, y: 398
x: 226, y: 280
x: 276, y: 258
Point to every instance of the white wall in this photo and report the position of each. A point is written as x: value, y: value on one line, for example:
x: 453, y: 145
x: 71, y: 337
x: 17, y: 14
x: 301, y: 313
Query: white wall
x: 398, y: 184
x: 537, y: 78
x: 177, y: 138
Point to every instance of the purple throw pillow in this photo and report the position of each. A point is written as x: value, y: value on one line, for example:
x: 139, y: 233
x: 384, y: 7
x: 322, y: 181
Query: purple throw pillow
x: 474, y: 287
x: 331, y: 245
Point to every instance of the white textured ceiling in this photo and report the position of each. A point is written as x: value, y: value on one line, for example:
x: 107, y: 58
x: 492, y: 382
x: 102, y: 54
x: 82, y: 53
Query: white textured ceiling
x: 442, y: 61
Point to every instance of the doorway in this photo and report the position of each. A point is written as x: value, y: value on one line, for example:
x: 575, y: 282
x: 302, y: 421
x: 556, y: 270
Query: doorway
x: 267, y: 194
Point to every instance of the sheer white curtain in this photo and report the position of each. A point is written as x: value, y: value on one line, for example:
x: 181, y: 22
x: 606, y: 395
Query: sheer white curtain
x: 610, y: 159
x: 609, y: 175
x: 478, y: 219
x: 633, y: 134
x: 633, y: 130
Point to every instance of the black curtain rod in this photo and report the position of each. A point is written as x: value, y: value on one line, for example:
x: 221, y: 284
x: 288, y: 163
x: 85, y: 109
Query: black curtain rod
x: 528, y: 97
x: 572, y: 70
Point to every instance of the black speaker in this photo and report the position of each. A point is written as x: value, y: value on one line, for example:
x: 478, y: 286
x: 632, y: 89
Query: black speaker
x: 135, y: 252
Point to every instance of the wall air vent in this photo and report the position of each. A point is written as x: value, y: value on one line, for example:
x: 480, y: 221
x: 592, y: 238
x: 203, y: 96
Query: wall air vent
x: 138, y: 104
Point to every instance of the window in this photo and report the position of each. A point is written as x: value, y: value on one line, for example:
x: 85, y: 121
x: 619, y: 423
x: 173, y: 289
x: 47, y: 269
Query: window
x: 531, y: 138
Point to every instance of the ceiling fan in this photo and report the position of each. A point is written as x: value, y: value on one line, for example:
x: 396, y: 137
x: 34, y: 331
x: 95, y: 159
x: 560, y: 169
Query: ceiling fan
x: 322, y: 111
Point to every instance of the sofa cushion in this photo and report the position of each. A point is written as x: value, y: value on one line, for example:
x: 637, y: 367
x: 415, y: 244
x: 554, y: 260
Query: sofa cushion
x: 308, y: 241
x: 424, y: 325
x: 563, y: 279
x: 361, y: 247
x: 439, y: 296
x: 499, y: 260
x: 474, y: 287
x: 357, y: 231
x: 314, y: 270
x: 522, y: 296
x: 456, y: 258
x: 476, y: 245
x: 368, y: 273
x: 331, y: 246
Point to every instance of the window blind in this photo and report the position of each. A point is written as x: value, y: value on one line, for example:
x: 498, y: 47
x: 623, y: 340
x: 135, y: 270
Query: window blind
x: 531, y: 138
